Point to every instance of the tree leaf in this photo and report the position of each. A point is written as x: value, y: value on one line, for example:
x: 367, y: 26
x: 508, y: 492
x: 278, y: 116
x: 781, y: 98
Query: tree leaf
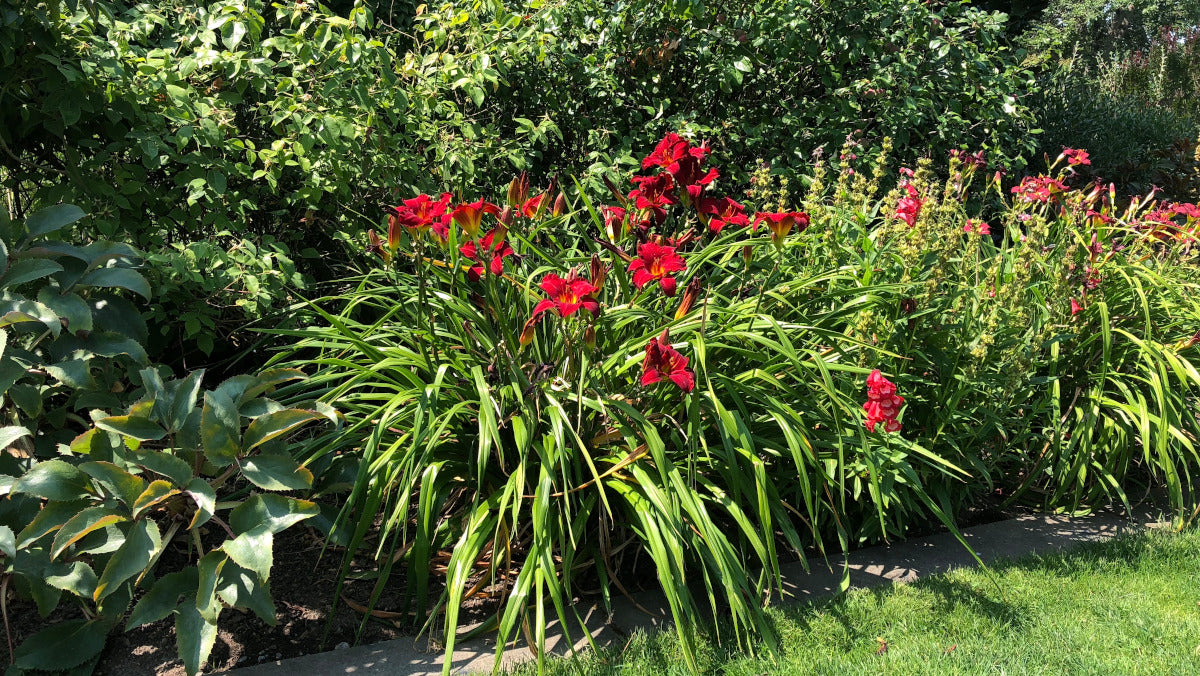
x: 142, y: 542
x: 272, y: 511
x: 10, y: 434
x: 163, y: 597
x: 53, y: 480
x: 81, y: 524
x: 220, y: 427
x: 272, y: 425
x: 194, y: 638
x: 62, y: 646
x: 27, y: 270
x: 121, y: 278
x: 69, y: 306
x: 53, y: 218
x: 276, y: 473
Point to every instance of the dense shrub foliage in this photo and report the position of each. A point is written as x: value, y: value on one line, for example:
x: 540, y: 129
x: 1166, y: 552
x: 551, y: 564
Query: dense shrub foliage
x: 680, y: 373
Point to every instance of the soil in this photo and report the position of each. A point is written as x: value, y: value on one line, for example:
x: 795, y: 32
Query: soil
x: 303, y: 584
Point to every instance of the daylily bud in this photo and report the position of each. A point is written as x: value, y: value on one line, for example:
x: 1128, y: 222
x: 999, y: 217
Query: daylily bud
x: 597, y: 271
x: 506, y: 216
x: 375, y: 246
x: 518, y: 189
x: 689, y: 298
x: 589, y: 336
x: 527, y: 331
x: 393, y: 240
x: 747, y: 254
x: 560, y: 205
x: 621, y: 199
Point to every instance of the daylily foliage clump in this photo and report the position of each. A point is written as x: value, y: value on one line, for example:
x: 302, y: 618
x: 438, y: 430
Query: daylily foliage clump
x: 663, y: 384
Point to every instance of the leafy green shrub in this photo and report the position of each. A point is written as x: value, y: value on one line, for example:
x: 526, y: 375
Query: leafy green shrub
x: 677, y: 375
x: 91, y: 503
x: 207, y: 292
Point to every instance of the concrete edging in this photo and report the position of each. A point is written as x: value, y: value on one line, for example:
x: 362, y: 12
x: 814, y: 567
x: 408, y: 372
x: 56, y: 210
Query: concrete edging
x: 902, y: 562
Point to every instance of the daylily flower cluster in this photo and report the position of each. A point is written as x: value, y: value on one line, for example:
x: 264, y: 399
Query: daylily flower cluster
x: 1039, y: 189
x: 883, y: 404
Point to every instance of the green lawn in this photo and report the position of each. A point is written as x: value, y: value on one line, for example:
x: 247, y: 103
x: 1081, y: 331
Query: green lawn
x: 1128, y: 606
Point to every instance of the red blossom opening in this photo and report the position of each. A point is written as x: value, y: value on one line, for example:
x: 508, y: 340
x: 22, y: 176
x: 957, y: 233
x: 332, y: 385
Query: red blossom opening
x: 422, y: 214
x: 883, y: 404
x: 656, y: 262
x: 567, y: 296
x: 781, y: 223
x: 495, y: 248
x: 469, y: 216
x: 663, y: 362
x: 909, y: 207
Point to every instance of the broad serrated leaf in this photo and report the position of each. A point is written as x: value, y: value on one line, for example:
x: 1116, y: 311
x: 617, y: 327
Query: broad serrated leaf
x: 194, y: 638
x: 51, y: 517
x: 121, y: 278
x: 272, y: 425
x: 142, y: 542
x: 75, y: 577
x: 8, y: 542
x: 81, y: 524
x: 53, y: 480
x: 270, y: 511
x: 10, y: 434
x: 163, y: 597
x: 121, y: 484
x: 206, y: 501
x: 276, y: 473
x: 74, y: 373
x: 69, y: 306
x: 209, y: 568
x: 161, y: 462
x: 61, y: 646
x: 267, y: 381
x: 220, y: 427
x: 142, y: 429
x: 155, y: 493
x: 253, y: 551
x: 239, y: 588
x: 27, y: 270
x: 184, y: 400
x: 51, y: 219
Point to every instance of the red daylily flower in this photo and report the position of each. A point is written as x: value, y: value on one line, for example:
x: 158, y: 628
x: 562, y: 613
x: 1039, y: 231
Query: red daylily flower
x: 567, y: 296
x: 781, y: 223
x: 495, y: 248
x: 722, y: 212
x: 653, y: 195
x: 422, y: 214
x: 1076, y: 157
x: 977, y: 227
x: 614, y: 222
x: 663, y: 361
x: 908, y: 207
x: 533, y: 205
x: 659, y: 262
x: 1039, y: 189
x: 671, y: 150
x: 468, y: 216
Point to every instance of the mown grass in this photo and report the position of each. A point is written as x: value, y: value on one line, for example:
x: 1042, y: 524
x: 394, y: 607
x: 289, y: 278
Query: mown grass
x: 1127, y: 606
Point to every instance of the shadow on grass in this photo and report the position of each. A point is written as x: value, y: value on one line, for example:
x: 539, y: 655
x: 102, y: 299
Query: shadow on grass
x: 980, y: 593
